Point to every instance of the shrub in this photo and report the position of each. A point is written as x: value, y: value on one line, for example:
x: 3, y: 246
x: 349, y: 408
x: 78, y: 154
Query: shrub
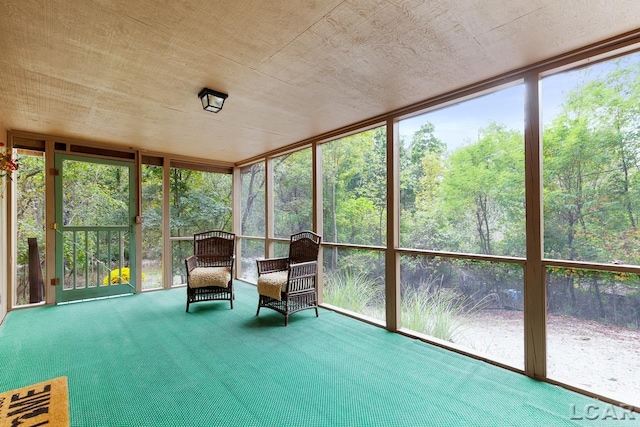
x: 117, y: 276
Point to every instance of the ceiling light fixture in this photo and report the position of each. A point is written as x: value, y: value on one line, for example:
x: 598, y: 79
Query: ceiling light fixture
x: 212, y: 100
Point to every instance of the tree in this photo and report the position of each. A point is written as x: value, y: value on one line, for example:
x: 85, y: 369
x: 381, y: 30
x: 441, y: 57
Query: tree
x: 200, y: 201
x: 253, y: 192
x: 293, y: 193
x: 591, y: 153
x: 152, y: 212
x: 591, y: 177
x: 483, y: 193
x: 354, y: 200
x: 373, y: 183
x: 422, y: 168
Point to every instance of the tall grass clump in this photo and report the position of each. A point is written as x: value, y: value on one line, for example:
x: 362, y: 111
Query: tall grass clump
x: 349, y: 290
x: 436, y: 311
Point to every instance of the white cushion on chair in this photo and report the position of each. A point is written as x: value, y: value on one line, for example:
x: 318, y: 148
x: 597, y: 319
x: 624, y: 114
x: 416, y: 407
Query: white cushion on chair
x: 209, y: 276
x: 271, y: 284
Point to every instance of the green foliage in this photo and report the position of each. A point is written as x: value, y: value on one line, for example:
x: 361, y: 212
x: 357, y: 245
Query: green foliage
x: 95, y: 194
x: 30, y: 205
x: 421, y: 167
x: 253, y: 180
x: 483, y: 193
x: 98, y: 194
x: 469, y: 200
x: 354, y: 184
x: 592, y: 170
x: 293, y: 194
x: 152, y: 212
x: 200, y: 201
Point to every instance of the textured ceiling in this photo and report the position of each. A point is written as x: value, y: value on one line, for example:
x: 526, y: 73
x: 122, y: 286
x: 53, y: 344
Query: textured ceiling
x: 128, y: 71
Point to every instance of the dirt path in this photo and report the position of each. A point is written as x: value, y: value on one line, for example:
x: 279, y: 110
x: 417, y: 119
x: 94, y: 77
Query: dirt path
x: 600, y: 358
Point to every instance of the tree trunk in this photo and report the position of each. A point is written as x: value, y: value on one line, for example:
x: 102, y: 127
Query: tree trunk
x: 250, y: 198
x: 482, y: 223
x: 36, y: 282
x: 572, y: 294
x: 334, y: 219
x: 601, y: 311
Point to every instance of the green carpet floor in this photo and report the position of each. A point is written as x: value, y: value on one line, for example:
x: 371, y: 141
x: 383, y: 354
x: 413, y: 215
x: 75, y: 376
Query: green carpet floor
x: 142, y: 361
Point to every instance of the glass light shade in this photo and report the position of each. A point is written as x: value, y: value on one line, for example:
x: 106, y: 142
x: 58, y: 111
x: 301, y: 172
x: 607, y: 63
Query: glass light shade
x: 212, y: 100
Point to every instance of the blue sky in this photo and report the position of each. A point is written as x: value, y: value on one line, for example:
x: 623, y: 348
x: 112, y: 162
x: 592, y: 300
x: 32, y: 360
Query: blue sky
x: 459, y: 124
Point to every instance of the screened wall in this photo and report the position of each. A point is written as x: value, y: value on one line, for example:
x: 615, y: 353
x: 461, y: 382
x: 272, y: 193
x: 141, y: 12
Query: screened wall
x: 500, y: 222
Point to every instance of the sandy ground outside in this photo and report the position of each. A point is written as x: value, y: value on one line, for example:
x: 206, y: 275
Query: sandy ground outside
x: 599, y: 358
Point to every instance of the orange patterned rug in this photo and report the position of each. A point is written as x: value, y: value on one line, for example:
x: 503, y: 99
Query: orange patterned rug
x: 42, y: 404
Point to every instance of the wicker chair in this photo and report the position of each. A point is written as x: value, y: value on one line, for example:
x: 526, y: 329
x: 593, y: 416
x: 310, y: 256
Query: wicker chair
x: 210, y: 268
x: 288, y: 285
